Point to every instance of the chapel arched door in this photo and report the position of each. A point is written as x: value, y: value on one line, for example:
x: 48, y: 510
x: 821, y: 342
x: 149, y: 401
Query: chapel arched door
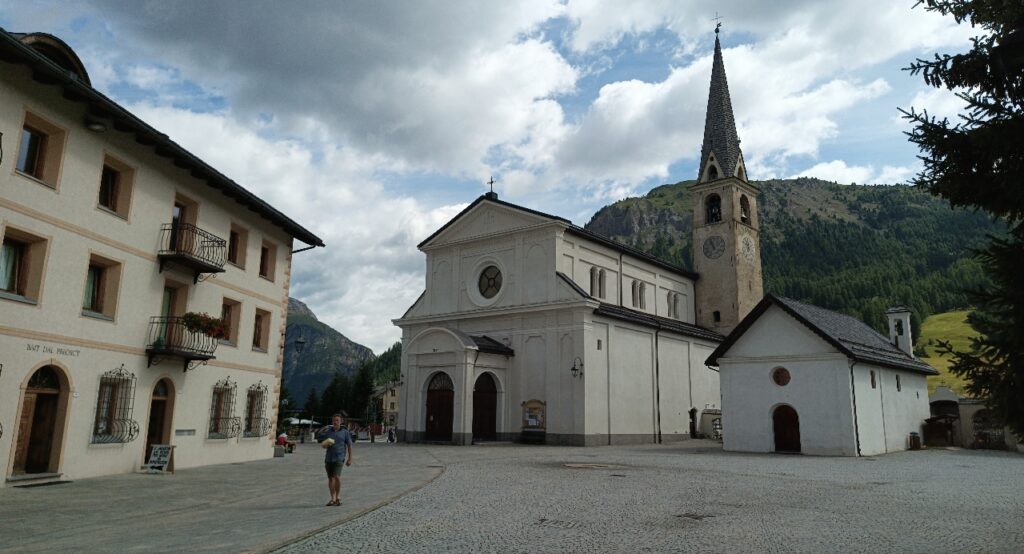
x: 786, y: 423
x: 485, y: 409
x: 440, y: 408
x: 39, y: 441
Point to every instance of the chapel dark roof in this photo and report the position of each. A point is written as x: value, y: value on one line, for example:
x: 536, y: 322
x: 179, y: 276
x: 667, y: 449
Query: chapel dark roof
x: 14, y: 49
x: 720, y: 136
x: 849, y: 335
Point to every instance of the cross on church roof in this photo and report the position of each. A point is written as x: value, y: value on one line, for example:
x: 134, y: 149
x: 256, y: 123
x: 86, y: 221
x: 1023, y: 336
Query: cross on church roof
x: 718, y: 20
x: 491, y: 182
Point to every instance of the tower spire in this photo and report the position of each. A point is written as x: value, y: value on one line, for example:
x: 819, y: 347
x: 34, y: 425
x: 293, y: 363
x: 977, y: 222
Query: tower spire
x: 720, y: 154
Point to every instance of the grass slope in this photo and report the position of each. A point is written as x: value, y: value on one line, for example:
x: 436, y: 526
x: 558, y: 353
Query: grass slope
x: 951, y: 326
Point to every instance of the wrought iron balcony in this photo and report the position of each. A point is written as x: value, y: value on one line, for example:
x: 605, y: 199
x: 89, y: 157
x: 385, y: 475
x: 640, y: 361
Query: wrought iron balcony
x: 189, y: 246
x: 224, y: 427
x: 169, y: 338
x: 117, y: 431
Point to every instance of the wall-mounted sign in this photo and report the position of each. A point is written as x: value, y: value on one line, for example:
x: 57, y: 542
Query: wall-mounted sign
x: 534, y: 412
x: 184, y: 432
x: 51, y: 349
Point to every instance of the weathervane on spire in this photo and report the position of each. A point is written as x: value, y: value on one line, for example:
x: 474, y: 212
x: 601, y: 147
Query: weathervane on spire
x: 718, y: 20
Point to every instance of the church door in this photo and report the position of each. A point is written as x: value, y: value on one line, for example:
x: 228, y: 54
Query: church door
x: 38, y: 423
x: 440, y: 408
x: 787, y: 429
x: 485, y: 409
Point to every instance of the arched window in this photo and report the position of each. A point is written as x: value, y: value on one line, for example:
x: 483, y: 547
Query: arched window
x: 636, y: 293
x: 744, y: 210
x: 593, y: 281
x: 643, y: 296
x: 668, y: 299
x: 600, y: 284
x: 713, y: 209
x: 712, y: 173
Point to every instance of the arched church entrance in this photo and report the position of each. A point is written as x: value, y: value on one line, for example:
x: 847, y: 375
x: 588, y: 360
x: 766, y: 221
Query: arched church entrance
x: 485, y: 409
x: 440, y: 408
x: 40, y: 432
x: 787, y: 429
x: 161, y: 406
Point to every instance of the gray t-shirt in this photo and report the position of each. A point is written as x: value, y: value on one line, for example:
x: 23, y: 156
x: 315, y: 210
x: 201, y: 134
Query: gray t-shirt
x: 336, y: 452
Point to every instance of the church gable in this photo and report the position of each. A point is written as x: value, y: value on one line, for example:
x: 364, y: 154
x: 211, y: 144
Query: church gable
x: 776, y: 333
x: 485, y: 218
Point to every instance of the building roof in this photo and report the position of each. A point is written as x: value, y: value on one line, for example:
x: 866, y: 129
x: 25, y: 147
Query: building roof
x: 720, y: 136
x: 571, y: 229
x: 47, y: 71
x: 657, y: 322
x: 490, y: 346
x: 849, y: 335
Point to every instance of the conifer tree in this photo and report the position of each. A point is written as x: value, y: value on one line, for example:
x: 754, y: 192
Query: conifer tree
x: 978, y: 162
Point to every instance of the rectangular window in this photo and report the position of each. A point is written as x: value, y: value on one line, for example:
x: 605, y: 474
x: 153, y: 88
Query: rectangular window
x: 223, y: 424
x: 261, y: 330
x: 40, y: 148
x: 392, y: 406
x: 392, y: 392
x: 12, y: 266
x: 873, y: 384
x: 102, y: 279
x: 116, y: 183
x: 230, y: 311
x: 237, y: 245
x: 256, y: 422
x: 22, y: 258
x: 114, y: 405
x: 899, y: 386
x: 268, y: 255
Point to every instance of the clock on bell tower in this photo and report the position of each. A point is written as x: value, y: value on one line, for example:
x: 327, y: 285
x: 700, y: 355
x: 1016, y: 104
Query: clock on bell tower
x: 726, y: 240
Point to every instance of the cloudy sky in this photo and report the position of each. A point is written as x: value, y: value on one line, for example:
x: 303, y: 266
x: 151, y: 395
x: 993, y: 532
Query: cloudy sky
x: 372, y: 123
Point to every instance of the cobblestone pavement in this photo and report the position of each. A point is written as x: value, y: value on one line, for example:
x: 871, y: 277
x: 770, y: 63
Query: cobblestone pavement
x: 696, y: 498
x: 253, y: 506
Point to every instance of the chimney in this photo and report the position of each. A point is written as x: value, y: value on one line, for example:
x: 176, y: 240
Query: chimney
x: 899, y: 329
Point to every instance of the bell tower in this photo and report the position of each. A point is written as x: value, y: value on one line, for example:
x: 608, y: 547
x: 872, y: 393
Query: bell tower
x: 726, y: 239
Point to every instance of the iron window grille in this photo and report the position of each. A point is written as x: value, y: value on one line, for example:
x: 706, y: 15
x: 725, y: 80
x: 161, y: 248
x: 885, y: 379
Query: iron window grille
x: 223, y: 424
x: 115, y: 403
x: 256, y: 422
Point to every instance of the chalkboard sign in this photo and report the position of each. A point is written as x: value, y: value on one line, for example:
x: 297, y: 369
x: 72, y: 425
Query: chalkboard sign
x: 159, y: 457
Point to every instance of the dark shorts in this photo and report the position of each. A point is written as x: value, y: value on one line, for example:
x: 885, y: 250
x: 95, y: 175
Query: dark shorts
x: 334, y: 468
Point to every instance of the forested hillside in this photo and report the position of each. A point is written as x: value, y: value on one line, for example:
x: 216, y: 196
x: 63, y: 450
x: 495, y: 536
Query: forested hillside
x: 853, y: 248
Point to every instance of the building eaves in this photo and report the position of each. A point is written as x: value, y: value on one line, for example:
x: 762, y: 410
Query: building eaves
x: 47, y: 72
x: 490, y: 346
x: 657, y: 322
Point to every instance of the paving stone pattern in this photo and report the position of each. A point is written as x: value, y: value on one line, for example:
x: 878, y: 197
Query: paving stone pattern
x: 695, y: 498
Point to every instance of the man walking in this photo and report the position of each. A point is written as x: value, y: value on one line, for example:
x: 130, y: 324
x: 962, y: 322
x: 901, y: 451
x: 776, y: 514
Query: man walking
x: 337, y: 442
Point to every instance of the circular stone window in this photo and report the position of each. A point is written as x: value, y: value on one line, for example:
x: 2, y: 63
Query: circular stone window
x: 780, y: 376
x: 490, y: 281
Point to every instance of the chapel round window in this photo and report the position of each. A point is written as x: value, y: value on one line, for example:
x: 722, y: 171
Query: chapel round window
x: 490, y: 281
x: 781, y: 376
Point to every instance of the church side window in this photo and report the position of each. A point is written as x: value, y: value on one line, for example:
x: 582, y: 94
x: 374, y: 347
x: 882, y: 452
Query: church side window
x: 712, y: 173
x: 593, y: 282
x: 899, y: 386
x: 713, y: 208
x: 600, y: 284
x: 873, y: 383
x: 744, y: 210
x: 643, y: 296
x: 636, y: 293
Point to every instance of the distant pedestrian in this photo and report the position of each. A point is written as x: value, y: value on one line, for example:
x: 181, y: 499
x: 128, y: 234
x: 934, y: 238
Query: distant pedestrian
x: 391, y: 435
x: 337, y: 443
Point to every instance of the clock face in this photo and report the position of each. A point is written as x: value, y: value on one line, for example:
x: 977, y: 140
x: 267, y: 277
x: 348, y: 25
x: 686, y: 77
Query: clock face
x: 714, y: 246
x: 747, y: 249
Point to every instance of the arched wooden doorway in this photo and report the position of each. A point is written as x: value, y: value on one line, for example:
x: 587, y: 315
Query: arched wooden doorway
x: 485, y: 409
x: 787, y: 429
x: 440, y: 408
x: 40, y: 427
x: 161, y: 407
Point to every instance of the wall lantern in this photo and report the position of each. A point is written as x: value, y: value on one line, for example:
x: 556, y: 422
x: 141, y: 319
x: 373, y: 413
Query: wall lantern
x: 577, y: 367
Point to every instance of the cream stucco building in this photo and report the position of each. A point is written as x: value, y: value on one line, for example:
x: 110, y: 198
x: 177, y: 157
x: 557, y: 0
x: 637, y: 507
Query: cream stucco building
x: 111, y: 234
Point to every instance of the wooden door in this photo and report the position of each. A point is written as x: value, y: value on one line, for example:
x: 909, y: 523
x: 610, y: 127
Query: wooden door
x: 787, y: 429
x: 485, y: 409
x: 40, y: 444
x: 440, y: 408
x: 28, y: 410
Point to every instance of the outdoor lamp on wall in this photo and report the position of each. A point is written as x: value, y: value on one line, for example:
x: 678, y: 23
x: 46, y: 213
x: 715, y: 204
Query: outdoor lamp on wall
x: 577, y: 367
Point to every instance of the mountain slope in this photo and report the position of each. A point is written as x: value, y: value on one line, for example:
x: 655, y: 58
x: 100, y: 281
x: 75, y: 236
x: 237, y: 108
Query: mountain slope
x: 325, y: 352
x: 853, y: 248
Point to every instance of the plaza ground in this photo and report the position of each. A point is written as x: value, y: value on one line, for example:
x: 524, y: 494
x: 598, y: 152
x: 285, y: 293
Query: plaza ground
x: 690, y: 497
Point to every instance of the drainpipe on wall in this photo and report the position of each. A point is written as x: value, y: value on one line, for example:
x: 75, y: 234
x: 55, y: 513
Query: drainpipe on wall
x: 657, y: 388
x: 856, y: 422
